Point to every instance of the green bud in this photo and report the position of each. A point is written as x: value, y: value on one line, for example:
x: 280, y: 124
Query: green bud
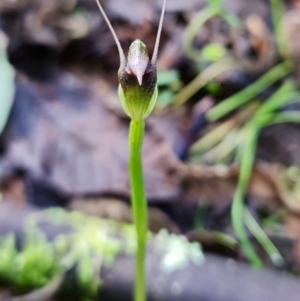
x: 138, y: 89
x: 137, y: 75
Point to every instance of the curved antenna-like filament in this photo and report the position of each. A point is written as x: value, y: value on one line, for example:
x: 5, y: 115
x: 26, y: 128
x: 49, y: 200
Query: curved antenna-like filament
x: 154, y: 56
x: 120, y: 49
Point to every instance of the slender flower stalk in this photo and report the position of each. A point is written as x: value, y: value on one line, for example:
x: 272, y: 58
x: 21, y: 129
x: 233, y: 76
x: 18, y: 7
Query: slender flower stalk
x: 138, y: 93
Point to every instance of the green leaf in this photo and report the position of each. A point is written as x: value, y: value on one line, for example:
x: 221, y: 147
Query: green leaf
x: 213, y: 87
x: 213, y: 52
x: 230, y: 18
x: 7, y: 86
x: 167, y: 77
x: 165, y: 98
x: 216, y: 4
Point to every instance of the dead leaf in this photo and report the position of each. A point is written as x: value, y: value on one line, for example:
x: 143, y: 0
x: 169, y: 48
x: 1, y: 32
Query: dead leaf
x: 63, y: 135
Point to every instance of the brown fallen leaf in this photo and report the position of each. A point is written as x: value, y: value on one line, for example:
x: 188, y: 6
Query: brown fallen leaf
x: 62, y: 134
x: 267, y: 186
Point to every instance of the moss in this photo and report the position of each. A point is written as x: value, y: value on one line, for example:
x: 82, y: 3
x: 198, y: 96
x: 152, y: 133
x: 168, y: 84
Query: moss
x: 91, y: 244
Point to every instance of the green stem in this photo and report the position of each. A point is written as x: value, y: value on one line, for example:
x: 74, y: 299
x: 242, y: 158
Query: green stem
x: 208, y: 74
x: 263, y: 239
x: 139, y: 204
x: 247, y: 159
x: 277, y: 13
x: 284, y: 117
x: 216, y: 135
x: 237, y: 210
x: 247, y: 94
x: 194, y: 27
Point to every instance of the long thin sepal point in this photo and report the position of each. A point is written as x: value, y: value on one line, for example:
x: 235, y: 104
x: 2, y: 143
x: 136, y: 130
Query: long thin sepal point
x: 155, y: 52
x: 121, y: 52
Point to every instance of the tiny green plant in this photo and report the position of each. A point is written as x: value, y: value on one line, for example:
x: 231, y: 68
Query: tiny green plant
x: 245, y: 141
x: 214, y: 8
x: 242, y: 151
x: 138, y: 93
x: 221, y: 61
